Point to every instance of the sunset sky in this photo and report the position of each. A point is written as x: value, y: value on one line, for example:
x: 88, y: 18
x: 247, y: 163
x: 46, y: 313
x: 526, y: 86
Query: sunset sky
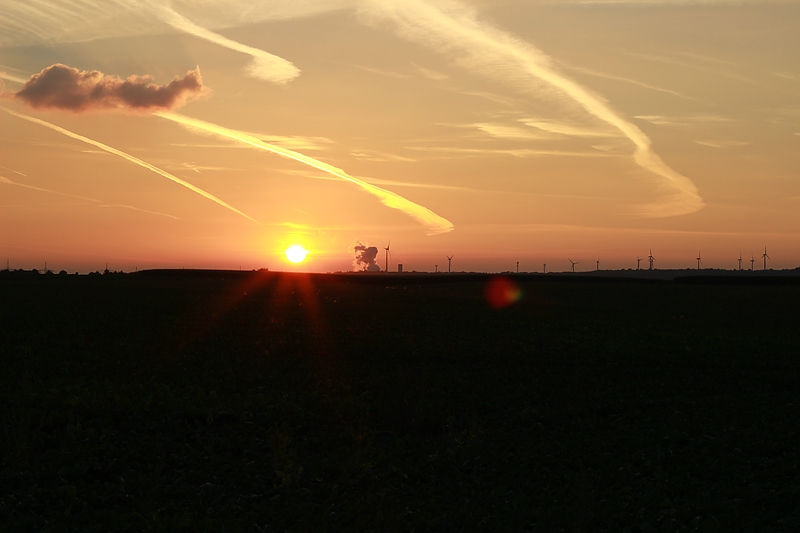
x: 494, y: 131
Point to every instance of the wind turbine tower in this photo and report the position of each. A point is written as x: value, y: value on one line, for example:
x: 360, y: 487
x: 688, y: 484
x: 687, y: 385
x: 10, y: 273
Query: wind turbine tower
x: 698, y: 260
x: 450, y: 259
x: 544, y: 268
x: 765, y: 257
x: 386, y: 263
x: 651, y: 258
x: 573, y: 263
x: 598, y: 265
x: 740, y: 261
x: 638, y: 261
x: 752, y: 262
x: 517, y: 267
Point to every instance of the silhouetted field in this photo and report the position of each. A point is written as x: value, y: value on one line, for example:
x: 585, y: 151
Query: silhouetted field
x: 191, y: 401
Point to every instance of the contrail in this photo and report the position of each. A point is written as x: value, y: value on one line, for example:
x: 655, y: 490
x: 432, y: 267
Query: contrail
x: 264, y: 66
x: 451, y: 27
x: 9, y: 77
x: 98, y: 202
x: 7, y: 181
x: 130, y: 158
x: 434, y: 222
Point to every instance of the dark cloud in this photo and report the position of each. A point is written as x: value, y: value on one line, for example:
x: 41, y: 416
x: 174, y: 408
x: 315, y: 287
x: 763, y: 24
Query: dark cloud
x: 365, y: 258
x: 63, y: 87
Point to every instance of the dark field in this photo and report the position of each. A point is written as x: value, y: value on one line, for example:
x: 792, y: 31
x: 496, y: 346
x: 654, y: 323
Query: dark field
x: 268, y: 402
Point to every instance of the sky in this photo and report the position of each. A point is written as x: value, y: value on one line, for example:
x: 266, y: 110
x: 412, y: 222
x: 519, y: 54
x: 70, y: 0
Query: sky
x: 217, y: 134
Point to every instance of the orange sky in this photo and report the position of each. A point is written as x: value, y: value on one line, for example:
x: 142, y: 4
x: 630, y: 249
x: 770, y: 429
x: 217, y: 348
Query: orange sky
x: 496, y: 132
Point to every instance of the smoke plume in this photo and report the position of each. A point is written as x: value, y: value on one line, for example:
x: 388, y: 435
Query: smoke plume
x: 63, y: 87
x: 365, y: 258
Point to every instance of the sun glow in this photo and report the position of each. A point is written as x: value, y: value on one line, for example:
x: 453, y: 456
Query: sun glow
x: 296, y: 253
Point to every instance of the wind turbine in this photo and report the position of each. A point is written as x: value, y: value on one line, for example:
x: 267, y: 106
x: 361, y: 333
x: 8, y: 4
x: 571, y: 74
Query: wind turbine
x: 573, y: 263
x: 752, y: 262
x: 449, y: 259
x: 765, y: 257
x: 544, y: 268
x: 598, y: 265
x: 517, y: 267
x: 740, y: 261
x: 386, y: 267
x: 698, y: 260
x: 638, y: 261
x: 651, y: 258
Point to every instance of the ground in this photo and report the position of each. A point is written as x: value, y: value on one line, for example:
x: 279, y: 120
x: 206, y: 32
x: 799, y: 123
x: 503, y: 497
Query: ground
x: 212, y: 401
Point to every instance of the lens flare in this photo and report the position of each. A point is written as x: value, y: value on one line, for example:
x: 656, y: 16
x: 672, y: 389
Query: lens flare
x: 296, y: 254
x: 502, y: 292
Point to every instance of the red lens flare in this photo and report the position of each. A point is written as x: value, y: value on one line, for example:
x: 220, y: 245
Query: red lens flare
x: 502, y: 292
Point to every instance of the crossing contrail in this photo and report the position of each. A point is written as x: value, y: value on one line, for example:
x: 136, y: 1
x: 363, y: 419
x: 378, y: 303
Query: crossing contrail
x: 453, y: 28
x: 434, y: 222
x: 130, y: 158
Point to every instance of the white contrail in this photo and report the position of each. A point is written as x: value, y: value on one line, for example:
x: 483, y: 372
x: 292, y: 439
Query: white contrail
x: 9, y: 77
x: 264, y: 66
x: 7, y: 181
x: 99, y: 202
x: 451, y: 27
x: 130, y: 158
x: 434, y: 222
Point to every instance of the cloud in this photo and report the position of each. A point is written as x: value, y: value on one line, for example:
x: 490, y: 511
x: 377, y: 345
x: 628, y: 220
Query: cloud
x: 434, y: 222
x: 459, y: 152
x: 63, y: 87
x: 683, y: 120
x: 386, y: 73
x: 130, y: 158
x: 265, y: 66
x: 454, y: 29
x: 628, y: 80
x: 58, y: 21
x: 431, y: 74
x: 383, y: 157
x: 502, y: 131
x: 721, y: 144
x: 567, y: 129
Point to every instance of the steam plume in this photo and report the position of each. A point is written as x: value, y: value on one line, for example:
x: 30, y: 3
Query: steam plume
x: 130, y: 158
x: 63, y: 87
x: 434, y: 222
x: 365, y: 258
x: 264, y: 66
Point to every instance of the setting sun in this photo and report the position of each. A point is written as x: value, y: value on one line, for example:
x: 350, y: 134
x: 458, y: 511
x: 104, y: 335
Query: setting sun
x: 296, y: 253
